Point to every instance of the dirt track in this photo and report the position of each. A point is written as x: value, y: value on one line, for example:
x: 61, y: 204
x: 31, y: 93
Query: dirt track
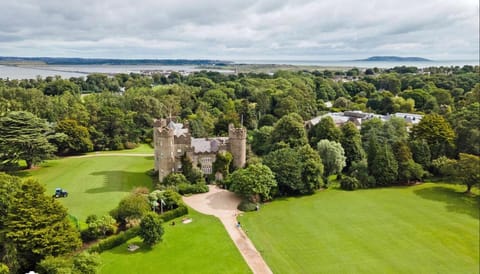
x: 223, y: 205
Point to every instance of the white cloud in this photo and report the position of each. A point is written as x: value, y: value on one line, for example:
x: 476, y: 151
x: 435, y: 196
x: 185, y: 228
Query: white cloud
x: 240, y: 29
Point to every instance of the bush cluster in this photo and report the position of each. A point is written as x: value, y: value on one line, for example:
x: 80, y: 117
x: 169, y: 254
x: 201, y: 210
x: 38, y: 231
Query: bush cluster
x: 246, y: 205
x: 175, y: 213
x: 115, y: 240
x: 349, y: 183
x: 185, y: 188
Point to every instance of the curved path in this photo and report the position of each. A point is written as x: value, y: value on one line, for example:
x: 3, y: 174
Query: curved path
x: 223, y: 205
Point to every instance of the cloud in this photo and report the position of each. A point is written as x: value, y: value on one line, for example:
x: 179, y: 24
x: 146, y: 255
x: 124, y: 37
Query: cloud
x: 248, y: 29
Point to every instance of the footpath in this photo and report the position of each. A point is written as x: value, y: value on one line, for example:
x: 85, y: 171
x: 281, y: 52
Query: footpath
x: 223, y: 205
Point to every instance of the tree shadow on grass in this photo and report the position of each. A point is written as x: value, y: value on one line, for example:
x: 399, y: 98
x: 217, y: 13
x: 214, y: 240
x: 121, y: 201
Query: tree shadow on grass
x: 121, y: 181
x: 455, y: 201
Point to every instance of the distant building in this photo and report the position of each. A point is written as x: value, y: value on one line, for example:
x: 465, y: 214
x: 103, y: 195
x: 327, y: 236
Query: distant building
x: 357, y: 117
x: 173, y: 140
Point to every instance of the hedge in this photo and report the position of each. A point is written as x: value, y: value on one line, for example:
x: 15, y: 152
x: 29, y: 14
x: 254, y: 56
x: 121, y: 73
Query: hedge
x: 175, y: 213
x: 185, y: 188
x: 115, y: 240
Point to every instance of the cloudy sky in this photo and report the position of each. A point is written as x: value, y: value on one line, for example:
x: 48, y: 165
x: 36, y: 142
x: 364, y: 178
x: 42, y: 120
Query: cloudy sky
x: 240, y: 29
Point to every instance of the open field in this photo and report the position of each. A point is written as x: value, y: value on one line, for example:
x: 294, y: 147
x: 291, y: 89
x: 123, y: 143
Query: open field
x: 202, y: 246
x: 428, y: 228
x: 95, y: 185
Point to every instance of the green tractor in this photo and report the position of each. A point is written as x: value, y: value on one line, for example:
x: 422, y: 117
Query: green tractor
x: 59, y: 192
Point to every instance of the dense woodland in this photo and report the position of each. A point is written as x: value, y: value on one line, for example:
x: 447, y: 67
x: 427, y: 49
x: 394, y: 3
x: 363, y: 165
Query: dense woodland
x: 44, y: 118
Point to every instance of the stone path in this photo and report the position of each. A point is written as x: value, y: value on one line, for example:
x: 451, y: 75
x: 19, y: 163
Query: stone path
x: 223, y: 205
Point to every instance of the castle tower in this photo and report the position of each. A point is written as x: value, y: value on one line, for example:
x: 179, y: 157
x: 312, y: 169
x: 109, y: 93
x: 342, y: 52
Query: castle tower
x: 164, y: 148
x: 238, y: 145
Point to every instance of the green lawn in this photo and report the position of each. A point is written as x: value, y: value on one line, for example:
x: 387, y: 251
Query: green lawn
x: 202, y: 246
x: 142, y: 148
x: 96, y: 184
x: 428, y: 228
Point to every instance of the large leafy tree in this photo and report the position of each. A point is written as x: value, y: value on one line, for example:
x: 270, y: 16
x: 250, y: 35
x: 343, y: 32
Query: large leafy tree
x: 297, y: 171
x: 77, y: 137
x: 466, y: 123
x: 24, y: 136
x: 468, y: 170
x: 333, y: 158
x: 437, y: 132
x: 38, y: 226
x: 352, y: 143
x: 382, y: 164
x: 151, y: 229
x: 132, y: 207
x: 407, y: 168
x: 290, y: 130
x: 255, y: 183
x: 325, y: 129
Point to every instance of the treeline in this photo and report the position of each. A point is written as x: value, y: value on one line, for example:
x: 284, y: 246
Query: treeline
x: 109, y: 113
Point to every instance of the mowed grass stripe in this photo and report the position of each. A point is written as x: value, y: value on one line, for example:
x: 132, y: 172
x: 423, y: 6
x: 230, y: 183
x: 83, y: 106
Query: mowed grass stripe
x: 430, y: 228
x: 95, y: 185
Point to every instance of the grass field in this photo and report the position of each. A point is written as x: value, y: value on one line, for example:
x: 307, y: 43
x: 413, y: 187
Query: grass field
x: 202, y: 246
x: 95, y: 184
x: 428, y: 228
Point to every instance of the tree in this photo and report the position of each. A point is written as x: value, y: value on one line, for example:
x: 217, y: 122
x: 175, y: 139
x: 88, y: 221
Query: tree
x: 261, y: 141
x: 382, y: 165
x: 38, y: 226
x: 290, y: 129
x: 297, y: 171
x: 351, y: 141
x: 134, y: 206
x: 78, y: 137
x: 421, y: 153
x: 468, y: 167
x: 407, y: 168
x: 192, y: 174
x: 255, y: 183
x: 325, y: 129
x: 23, y: 136
x: 222, y: 163
x: 333, y: 158
x: 466, y: 123
x: 437, y: 132
x: 151, y: 229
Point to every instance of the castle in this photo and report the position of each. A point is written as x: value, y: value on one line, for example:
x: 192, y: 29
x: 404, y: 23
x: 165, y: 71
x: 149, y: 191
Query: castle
x: 173, y: 140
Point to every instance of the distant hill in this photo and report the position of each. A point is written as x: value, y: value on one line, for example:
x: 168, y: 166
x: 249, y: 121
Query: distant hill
x: 100, y: 61
x: 395, y: 59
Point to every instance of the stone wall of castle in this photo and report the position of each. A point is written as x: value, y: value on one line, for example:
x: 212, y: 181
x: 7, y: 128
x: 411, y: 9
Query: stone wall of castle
x: 237, y: 138
x: 169, y: 149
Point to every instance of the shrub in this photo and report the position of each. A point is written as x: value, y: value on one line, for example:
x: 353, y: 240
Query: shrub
x: 130, y: 145
x: 246, y: 205
x: 86, y: 263
x: 131, y: 207
x: 151, y: 230
x: 349, y: 183
x: 54, y: 265
x: 172, y: 214
x: 192, y: 188
x: 174, y: 179
x: 115, y: 240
